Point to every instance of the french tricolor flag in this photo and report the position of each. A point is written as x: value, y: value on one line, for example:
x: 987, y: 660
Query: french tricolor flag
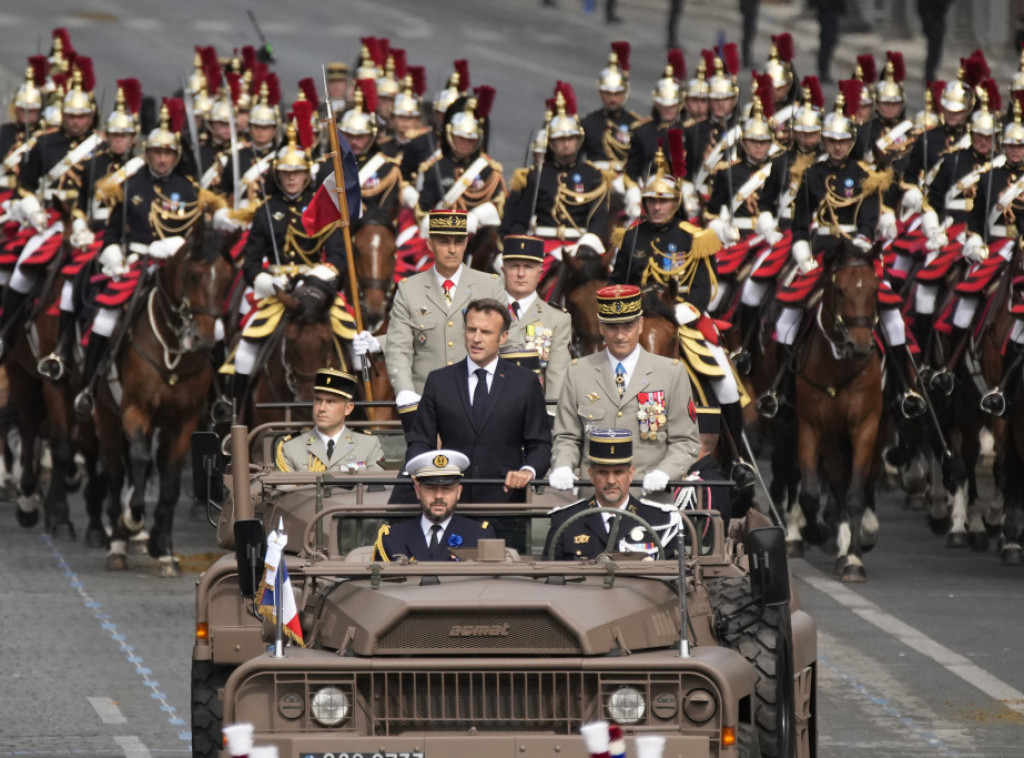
x: 323, y: 209
x: 276, y: 542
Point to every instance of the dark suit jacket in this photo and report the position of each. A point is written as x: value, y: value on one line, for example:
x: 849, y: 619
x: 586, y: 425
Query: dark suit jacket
x: 516, y: 430
x: 588, y: 537
x: 406, y: 538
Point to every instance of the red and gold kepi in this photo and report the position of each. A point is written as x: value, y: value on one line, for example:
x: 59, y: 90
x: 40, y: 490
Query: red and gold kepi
x: 336, y: 382
x: 523, y: 247
x: 609, y: 447
x: 619, y: 303
x: 449, y: 223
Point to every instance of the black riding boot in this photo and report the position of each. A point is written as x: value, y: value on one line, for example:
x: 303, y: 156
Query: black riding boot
x: 10, y: 318
x: 781, y: 391
x: 911, y: 403
x: 94, y: 353
x: 54, y: 365
x: 944, y: 379
x: 742, y: 471
x: 747, y: 317
x: 220, y: 412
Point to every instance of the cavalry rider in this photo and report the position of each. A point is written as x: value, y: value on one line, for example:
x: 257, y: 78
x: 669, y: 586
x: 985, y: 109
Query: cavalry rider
x: 839, y: 198
x: 695, y: 98
x: 101, y: 178
x: 380, y: 178
x: 255, y: 157
x: 279, y: 252
x: 886, y: 138
x: 48, y: 186
x: 406, y: 114
x: 571, y: 193
x: 992, y: 228
x: 15, y: 134
x: 148, y: 222
x: 955, y: 102
x: 662, y: 250
x: 666, y: 114
x: 465, y: 177
x: 713, y: 140
x: 428, y: 143
x: 607, y: 130
x: 215, y: 152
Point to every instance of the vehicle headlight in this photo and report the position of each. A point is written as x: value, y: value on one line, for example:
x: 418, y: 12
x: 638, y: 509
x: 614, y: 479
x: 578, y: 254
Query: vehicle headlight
x: 330, y: 706
x: 626, y: 705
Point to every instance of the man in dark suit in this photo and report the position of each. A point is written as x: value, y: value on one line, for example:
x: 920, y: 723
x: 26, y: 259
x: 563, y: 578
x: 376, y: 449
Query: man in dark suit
x: 487, y: 408
x: 611, y: 471
x: 438, y: 528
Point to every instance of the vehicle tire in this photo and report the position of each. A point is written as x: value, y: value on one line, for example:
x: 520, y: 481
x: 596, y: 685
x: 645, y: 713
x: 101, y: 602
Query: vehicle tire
x: 207, y: 710
x: 765, y: 643
x: 746, y: 741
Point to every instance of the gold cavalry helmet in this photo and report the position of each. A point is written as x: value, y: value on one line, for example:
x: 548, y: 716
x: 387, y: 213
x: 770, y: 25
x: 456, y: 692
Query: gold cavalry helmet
x: 464, y: 123
x: 456, y: 87
x: 757, y: 127
x: 890, y: 87
x: 202, y: 103
x: 407, y: 102
x: 807, y: 117
x: 220, y: 112
x: 697, y: 88
x: 1013, y: 134
x: 985, y: 120
x: 839, y: 123
x: 264, y: 112
x: 722, y: 84
x: 78, y: 101
x: 565, y: 122
x: 292, y: 157
x: 360, y: 119
x: 165, y: 136
x: 780, y: 60
x: 28, y: 96
x: 957, y: 95
x: 615, y: 76
x: 388, y: 84
x: 120, y: 120
x: 662, y: 184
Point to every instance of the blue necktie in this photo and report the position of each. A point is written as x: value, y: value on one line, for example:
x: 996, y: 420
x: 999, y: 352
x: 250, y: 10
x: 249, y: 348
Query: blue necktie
x: 620, y: 379
x: 480, y: 396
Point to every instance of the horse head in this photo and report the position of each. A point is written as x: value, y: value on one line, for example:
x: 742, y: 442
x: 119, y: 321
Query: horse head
x: 659, y: 334
x: 308, y: 343
x: 849, y: 305
x: 482, y: 248
x: 375, y: 248
x: 586, y: 274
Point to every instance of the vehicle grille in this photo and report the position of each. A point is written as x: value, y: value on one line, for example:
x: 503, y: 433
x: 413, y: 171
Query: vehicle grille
x: 551, y: 701
x: 431, y: 631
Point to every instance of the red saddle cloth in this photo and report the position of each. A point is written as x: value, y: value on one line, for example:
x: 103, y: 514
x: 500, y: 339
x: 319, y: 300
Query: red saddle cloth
x: 801, y: 288
x: 772, y: 266
x: 981, y: 275
x: 729, y: 259
x: 81, y: 256
x: 117, y: 292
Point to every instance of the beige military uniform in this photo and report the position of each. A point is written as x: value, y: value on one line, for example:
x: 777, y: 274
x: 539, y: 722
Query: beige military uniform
x: 656, y: 408
x: 425, y: 333
x: 306, y: 452
x: 548, y: 331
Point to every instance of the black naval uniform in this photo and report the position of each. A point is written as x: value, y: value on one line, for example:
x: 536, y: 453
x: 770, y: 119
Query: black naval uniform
x: 787, y: 173
x: 407, y: 538
x: 929, y: 148
x: 284, y: 226
x: 726, y: 182
x: 606, y: 135
x: 647, y: 241
x: 644, y: 145
x: 94, y: 171
x: 833, y: 189
x: 588, y: 537
x: 955, y: 166
x: 174, y: 194
x: 488, y: 186
x: 573, y: 196
x: 49, y: 150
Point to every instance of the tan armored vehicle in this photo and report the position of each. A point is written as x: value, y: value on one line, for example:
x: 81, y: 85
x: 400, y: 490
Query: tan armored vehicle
x: 502, y: 653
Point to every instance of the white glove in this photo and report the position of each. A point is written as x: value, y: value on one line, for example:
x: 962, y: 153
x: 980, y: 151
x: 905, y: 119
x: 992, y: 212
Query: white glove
x: 407, y: 397
x: 30, y: 213
x: 486, y: 214
x: 410, y: 197
x: 913, y: 202
x: 590, y: 240
x: 934, y: 231
x: 165, y: 248
x: 633, y: 202
x: 112, y: 261
x: 364, y: 343
x: 727, y: 234
x: 975, y: 249
x: 619, y: 185
x: 81, y: 235
x: 655, y: 481
x: 862, y: 243
x: 323, y: 272
x: 562, y: 478
x: 263, y: 285
x: 686, y: 313
x: 886, y: 226
x: 801, y: 253
x: 765, y: 224
x: 223, y: 222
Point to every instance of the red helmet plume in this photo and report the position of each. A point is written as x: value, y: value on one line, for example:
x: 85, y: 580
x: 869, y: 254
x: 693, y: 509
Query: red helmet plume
x: 850, y: 90
x: 462, y: 69
x: 868, y: 70
x: 570, y: 97
x: 308, y: 87
x: 784, y: 46
x: 302, y: 111
x: 175, y: 113
x: 622, y: 48
x: 273, y: 88
x: 400, y: 63
x: 995, y: 100
x: 678, y: 63
x: 132, y: 89
x: 38, y: 65
x: 419, y: 79
x: 83, y: 64
x: 731, y: 58
x: 369, y: 88
x: 484, y: 100
x: 899, y: 69
x: 248, y: 58
x: 765, y: 92
x: 709, y: 60
x: 812, y: 84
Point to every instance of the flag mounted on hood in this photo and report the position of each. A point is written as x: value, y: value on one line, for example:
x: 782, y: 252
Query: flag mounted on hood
x: 324, y: 210
x: 276, y: 541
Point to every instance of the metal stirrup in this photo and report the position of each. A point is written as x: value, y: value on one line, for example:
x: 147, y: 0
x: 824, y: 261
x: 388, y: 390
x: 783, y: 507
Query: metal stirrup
x: 46, y: 367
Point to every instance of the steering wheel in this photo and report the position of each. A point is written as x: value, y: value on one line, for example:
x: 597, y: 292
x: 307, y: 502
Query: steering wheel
x: 617, y: 516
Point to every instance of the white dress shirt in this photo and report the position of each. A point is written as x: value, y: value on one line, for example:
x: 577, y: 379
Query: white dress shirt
x: 628, y: 363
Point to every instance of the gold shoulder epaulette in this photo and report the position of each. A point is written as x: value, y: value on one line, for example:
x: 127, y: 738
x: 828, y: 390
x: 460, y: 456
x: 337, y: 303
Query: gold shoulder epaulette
x: 495, y: 165
x: 876, y: 181
x: 520, y: 178
x: 109, y: 190
x: 705, y: 242
x: 244, y: 216
x: 211, y: 201
x: 615, y: 239
x: 609, y: 176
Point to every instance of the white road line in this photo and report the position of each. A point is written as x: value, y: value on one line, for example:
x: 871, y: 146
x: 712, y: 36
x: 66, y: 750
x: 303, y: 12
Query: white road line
x: 132, y: 747
x: 916, y: 640
x: 107, y: 710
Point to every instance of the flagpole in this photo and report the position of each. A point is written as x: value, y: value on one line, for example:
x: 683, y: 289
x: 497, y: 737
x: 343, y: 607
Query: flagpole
x: 279, y: 600
x: 339, y: 181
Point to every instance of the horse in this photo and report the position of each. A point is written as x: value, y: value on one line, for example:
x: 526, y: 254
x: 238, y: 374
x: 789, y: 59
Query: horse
x: 839, y: 405
x: 374, y: 250
x: 482, y: 249
x: 579, y: 278
x: 165, y: 375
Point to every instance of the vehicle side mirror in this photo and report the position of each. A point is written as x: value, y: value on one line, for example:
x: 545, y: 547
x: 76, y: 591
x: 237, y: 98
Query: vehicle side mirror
x: 769, y: 570
x: 207, y: 469
x: 250, y: 551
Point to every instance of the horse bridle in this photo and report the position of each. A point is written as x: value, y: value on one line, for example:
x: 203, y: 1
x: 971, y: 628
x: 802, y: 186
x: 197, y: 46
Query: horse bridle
x: 840, y: 324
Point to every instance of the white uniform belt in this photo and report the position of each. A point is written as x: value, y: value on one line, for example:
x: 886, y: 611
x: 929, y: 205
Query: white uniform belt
x: 101, y: 214
x: 744, y: 222
x: 826, y: 231
x: 998, y: 230
x: 142, y: 248
x: 960, y: 204
x: 289, y: 269
x: 57, y: 194
x: 557, y: 232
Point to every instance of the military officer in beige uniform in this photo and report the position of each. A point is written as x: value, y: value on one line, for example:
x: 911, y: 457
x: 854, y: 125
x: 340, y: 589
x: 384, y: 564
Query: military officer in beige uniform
x: 427, y: 331
x: 536, y: 326
x: 330, y: 445
x: 625, y: 387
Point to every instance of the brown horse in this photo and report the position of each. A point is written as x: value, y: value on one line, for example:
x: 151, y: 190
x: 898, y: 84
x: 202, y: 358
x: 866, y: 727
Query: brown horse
x: 580, y: 277
x: 374, y: 250
x: 839, y: 404
x: 165, y: 373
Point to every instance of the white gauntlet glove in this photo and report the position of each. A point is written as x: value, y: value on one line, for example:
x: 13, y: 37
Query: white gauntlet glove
x: 933, y: 231
x: 975, y: 249
x: 29, y: 212
x: 323, y: 272
x: 406, y: 398
x: 765, y: 225
x: 655, y: 481
x: 486, y: 214
x: 163, y: 249
x: 887, y: 226
x: 263, y: 284
x: 562, y: 478
x: 81, y: 235
x: 862, y: 243
x: 633, y: 202
x: 112, y: 261
x: 223, y: 222
x: 410, y: 197
x: 913, y: 202
x: 364, y: 343
x: 801, y: 254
